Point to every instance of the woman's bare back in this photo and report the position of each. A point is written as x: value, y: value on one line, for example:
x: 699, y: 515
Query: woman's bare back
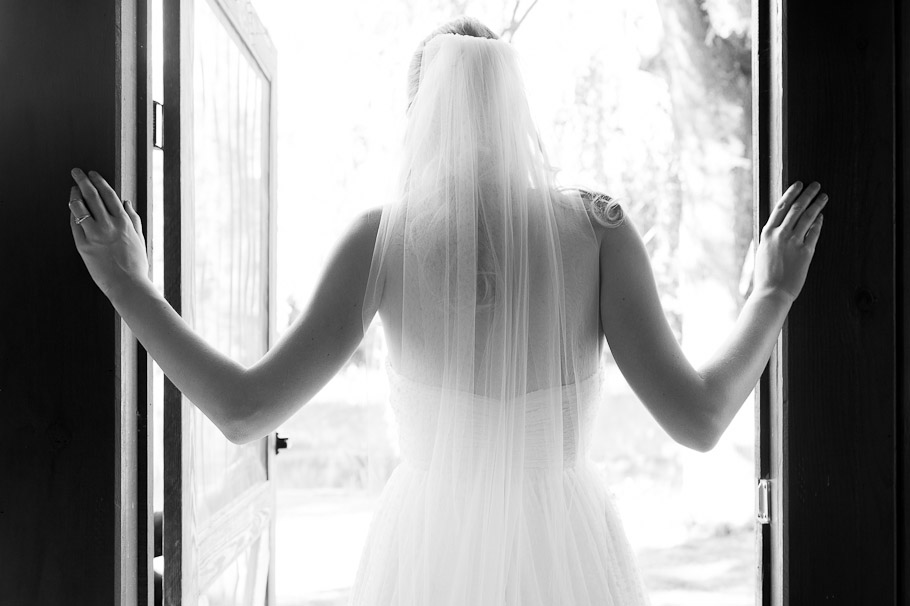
x: 579, y: 243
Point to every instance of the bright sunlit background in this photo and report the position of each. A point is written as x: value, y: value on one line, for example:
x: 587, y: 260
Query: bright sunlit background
x: 646, y: 100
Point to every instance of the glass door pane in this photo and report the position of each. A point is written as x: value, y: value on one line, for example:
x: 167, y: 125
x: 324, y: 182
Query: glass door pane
x: 228, y: 257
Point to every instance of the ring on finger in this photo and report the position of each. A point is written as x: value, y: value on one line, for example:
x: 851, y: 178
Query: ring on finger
x: 81, y: 219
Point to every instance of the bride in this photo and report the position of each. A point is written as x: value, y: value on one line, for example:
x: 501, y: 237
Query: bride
x: 496, y: 290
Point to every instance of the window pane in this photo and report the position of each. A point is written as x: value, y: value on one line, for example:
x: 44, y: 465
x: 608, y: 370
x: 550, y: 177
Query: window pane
x: 243, y: 582
x: 226, y: 262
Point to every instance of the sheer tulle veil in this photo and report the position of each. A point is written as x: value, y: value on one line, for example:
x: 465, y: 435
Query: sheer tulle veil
x: 469, y: 270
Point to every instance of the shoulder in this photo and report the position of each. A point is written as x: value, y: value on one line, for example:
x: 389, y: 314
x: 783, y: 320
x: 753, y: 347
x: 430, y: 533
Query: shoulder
x: 354, y: 249
x: 368, y: 220
x: 623, y: 254
x: 604, y: 212
x: 364, y: 228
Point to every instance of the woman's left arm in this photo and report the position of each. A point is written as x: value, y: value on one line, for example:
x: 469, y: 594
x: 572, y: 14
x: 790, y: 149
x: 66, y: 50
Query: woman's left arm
x: 244, y: 403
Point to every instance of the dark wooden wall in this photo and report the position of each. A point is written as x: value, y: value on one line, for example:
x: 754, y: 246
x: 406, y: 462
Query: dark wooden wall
x: 902, y: 294
x: 831, y: 93
x: 68, y: 417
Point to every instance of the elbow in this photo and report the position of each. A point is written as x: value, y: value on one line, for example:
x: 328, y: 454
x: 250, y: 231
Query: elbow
x: 236, y: 437
x: 235, y: 433
x: 702, y: 443
x: 255, y: 414
x: 241, y: 435
x: 701, y: 435
x: 238, y: 429
x: 244, y: 431
x: 243, y: 419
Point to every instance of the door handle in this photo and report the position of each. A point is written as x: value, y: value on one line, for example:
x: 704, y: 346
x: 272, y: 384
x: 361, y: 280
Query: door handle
x: 280, y: 443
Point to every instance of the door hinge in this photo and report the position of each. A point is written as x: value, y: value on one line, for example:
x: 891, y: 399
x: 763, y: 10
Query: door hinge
x: 157, y: 125
x: 763, y: 504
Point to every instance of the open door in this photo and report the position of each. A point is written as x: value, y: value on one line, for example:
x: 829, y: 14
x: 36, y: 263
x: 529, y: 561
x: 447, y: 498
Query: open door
x: 828, y: 108
x: 218, y: 245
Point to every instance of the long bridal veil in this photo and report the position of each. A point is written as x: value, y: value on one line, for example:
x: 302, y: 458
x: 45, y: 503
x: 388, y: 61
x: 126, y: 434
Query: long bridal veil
x: 491, y: 356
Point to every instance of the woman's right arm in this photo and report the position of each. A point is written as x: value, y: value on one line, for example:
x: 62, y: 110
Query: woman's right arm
x: 695, y: 406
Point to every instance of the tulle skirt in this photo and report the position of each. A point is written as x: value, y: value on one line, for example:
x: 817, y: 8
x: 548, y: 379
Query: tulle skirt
x: 591, y: 563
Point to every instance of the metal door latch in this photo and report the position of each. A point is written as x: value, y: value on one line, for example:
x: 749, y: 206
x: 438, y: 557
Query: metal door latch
x: 157, y: 125
x: 763, y: 502
x: 280, y: 443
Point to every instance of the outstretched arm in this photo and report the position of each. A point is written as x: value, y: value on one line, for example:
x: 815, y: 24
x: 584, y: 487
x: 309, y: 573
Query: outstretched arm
x: 244, y: 403
x: 248, y: 403
x: 696, y: 406
x: 320, y: 341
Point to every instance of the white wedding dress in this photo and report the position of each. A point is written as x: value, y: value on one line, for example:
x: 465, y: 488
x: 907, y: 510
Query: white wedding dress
x: 487, y: 280
x: 591, y: 564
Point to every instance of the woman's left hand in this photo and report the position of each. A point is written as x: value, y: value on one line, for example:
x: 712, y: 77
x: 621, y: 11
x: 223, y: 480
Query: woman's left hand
x: 110, y: 237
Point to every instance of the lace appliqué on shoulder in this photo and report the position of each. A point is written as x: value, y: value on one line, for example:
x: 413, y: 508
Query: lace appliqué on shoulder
x: 606, y: 210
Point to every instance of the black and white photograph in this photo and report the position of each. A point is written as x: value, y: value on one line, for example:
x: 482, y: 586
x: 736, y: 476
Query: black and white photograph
x: 454, y: 303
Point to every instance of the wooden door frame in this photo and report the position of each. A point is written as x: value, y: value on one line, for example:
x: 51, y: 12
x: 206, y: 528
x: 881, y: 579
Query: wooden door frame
x: 177, y: 114
x: 145, y: 530
x: 768, y: 124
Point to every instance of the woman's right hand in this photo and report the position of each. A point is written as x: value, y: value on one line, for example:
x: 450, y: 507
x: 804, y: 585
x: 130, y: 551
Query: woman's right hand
x: 788, y: 240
